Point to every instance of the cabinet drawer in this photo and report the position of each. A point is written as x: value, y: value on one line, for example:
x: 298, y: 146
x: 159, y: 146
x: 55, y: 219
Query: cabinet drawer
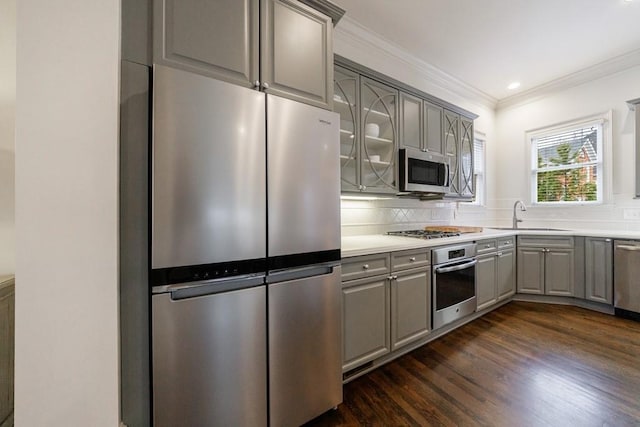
x: 506, y: 242
x: 546, y: 241
x: 485, y: 246
x: 365, y: 266
x: 410, y: 259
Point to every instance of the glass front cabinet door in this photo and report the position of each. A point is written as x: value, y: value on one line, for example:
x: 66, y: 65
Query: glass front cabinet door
x: 368, y: 132
x: 346, y: 102
x: 378, y: 111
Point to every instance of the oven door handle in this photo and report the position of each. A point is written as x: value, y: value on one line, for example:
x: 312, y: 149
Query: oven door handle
x: 456, y: 267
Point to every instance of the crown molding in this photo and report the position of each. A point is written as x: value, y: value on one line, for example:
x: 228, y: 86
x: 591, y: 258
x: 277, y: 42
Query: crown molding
x: 354, y: 34
x: 594, y: 72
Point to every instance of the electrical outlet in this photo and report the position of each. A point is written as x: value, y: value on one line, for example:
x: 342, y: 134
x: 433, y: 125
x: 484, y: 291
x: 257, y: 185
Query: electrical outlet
x: 632, y: 214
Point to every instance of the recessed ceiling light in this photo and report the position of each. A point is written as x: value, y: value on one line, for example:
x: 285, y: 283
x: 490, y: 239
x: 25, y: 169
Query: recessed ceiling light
x: 514, y: 85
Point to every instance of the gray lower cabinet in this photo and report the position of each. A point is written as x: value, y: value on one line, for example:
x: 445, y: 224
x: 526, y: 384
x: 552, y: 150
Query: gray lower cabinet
x: 365, y: 320
x: 281, y: 46
x: 546, y: 265
x: 411, y: 306
x: 386, y: 304
x: 599, y: 270
x: 420, y: 124
x: 486, y: 290
x: 506, y: 275
x: 531, y: 271
x: 495, y: 271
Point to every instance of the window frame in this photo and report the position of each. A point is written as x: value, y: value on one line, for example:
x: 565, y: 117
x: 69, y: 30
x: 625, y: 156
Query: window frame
x: 604, y: 172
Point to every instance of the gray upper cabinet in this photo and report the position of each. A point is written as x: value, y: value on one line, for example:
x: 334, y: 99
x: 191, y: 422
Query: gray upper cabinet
x: 433, y: 118
x: 458, y: 144
x: 466, y: 185
x: 216, y: 38
x: 451, y: 150
x: 378, y: 118
x: 291, y: 57
x: 420, y: 124
x: 411, y: 122
x: 297, y: 52
x: 346, y: 102
x: 368, y: 132
x: 599, y: 270
x: 379, y: 115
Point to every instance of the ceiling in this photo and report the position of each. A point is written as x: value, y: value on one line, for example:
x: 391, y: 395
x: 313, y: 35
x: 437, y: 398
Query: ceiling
x: 489, y: 44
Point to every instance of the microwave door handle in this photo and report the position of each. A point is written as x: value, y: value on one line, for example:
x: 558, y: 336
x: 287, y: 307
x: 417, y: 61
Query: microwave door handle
x: 456, y: 267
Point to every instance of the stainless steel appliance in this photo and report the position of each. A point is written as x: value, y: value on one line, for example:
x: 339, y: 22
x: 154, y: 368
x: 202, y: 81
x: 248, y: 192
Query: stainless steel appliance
x: 626, y: 287
x: 453, y: 282
x: 243, y: 326
x: 421, y: 172
x: 304, y: 291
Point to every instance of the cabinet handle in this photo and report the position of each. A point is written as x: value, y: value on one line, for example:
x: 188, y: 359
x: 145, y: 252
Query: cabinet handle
x: 256, y: 84
x: 265, y: 85
x: 607, y: 240
x: 365, y: 267
x: 412, y: 259
x: 499, y: 253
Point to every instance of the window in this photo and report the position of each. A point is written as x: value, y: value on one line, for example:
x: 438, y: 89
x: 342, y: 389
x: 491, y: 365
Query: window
x: 567, y: 164
x: 479, y: 171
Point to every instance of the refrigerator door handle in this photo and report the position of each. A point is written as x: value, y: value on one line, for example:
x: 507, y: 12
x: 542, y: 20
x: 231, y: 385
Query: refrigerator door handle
x: 201, y: 288
x: 301, y: 273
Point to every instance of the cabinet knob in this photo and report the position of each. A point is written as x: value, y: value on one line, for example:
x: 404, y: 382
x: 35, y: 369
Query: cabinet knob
x: 607, y: 240
x: 256, y: 84
x: 412, y: 259
x: 365, y: 267
x: 265, y: 85
x: 364, y: 187
x: 499, y: 253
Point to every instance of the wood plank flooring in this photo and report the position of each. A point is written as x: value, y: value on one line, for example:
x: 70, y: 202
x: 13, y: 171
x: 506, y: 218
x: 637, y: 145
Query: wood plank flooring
x: 524, y: 364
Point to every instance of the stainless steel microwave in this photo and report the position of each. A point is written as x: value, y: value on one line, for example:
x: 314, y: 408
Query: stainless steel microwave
x: 422, y: 172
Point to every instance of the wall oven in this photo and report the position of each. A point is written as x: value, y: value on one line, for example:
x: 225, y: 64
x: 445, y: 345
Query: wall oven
x: 421, y: 172
x: 454, y: 283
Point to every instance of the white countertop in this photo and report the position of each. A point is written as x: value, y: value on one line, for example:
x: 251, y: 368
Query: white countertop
x: 378, y: 243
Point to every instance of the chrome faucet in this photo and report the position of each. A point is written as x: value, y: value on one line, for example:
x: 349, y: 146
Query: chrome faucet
x: 515, y: 213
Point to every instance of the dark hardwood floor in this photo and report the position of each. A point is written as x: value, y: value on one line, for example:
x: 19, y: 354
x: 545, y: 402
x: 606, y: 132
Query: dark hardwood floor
x: 524, y: 364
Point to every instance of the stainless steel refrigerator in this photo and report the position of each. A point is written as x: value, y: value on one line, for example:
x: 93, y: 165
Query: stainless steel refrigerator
x: 245, y: 248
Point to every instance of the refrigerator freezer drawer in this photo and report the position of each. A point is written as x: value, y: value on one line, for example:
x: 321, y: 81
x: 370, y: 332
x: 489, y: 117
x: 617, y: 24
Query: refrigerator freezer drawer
x: 209, y: 359
x: 305, y: 348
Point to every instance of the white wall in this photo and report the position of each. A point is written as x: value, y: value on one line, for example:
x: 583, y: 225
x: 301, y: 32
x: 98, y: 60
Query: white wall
x: 509, y: 166
x: 7, y: 132
x: 66, y: 213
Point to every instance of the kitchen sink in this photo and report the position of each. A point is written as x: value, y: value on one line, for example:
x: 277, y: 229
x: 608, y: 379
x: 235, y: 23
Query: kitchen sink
x: 528, y: 228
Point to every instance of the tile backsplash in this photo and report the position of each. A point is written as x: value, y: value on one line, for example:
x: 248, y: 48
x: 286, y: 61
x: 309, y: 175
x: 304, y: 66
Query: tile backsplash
x: 379, y: 216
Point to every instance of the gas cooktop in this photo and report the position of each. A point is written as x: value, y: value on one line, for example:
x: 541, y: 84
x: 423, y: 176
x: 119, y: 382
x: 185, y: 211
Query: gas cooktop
x: 423, y: 234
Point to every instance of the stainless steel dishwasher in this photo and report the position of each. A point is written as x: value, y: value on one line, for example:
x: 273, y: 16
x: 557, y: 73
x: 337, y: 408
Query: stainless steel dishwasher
x: 626, y: 283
